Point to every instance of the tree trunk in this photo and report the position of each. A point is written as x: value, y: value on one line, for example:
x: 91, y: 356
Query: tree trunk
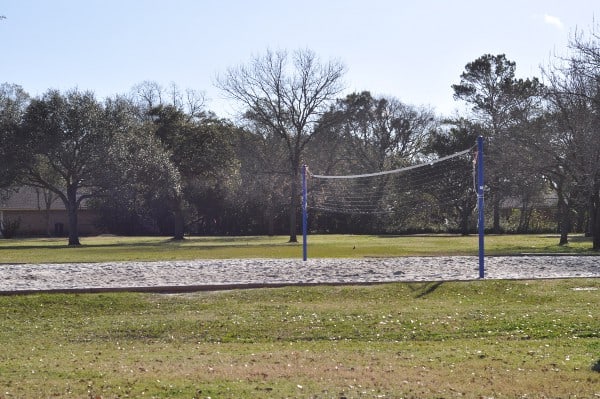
x: 565, y: 227
x: 595, y: 220
x: 72, y: 206
x: 270, y: 218
x: 496, y: 210
x: 464, y: 223
x: 525, y: 217
x: 564, y: 219
x: 178, y: 221
x: 293, y: 206
x: 47, y: 195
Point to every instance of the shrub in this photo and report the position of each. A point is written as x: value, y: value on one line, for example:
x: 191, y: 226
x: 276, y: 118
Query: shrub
x: 9, y: 228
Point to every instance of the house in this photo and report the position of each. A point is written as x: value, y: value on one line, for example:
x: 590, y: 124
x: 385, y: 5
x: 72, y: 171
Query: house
x: 42, y: 213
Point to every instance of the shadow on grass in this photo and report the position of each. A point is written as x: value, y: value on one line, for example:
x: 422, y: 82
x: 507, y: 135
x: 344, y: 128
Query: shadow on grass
x: 572, y: 238
x: 425, y: 235
x: 423, y: 290
x: 234, y: 239
x: 168, y: 243
x: 83, y: 245
x: 596, y: 367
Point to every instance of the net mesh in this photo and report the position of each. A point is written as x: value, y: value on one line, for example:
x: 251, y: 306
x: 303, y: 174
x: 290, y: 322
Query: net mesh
x: 439, y: 183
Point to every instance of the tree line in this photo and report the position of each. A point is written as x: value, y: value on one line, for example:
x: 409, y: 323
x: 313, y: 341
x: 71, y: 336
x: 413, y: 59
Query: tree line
x: 157, y: 161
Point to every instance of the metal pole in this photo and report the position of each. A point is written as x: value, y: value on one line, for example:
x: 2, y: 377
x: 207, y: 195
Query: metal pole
x: 480, y: 205
x: 304, y: 215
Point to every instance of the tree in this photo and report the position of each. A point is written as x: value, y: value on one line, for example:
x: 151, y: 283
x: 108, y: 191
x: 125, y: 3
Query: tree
x: 381, y: 133
x: 145, y: 179
x: 371, y: 134
x: 499, y: 102
x: 263, y: 186
x: 202, y: 153
x: 149, y: 95
x: 459, y: 186
x: 70, y: 140
x: 286, y: 95
x: 198, y: 146
x: 13, y: 102
x: 573, y: 129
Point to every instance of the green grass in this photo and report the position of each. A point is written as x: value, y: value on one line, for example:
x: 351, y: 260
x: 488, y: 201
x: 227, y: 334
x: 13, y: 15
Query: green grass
x: 103, y: 248
x: 501, y: 339
x: 455, y: 339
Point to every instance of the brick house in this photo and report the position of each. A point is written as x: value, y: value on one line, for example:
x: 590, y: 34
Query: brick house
x: 42, y: 213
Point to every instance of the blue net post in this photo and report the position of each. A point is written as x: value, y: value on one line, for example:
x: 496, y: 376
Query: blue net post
x: 304, y: 215
x: 480, y: 205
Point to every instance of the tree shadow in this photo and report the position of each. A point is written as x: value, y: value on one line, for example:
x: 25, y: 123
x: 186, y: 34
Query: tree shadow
x: 425, y: 289
x: 84, y: 245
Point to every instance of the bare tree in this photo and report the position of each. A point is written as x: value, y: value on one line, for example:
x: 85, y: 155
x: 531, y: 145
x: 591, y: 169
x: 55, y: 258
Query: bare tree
x: 574, y: 95
x: 148, y: 95
x: 286, y: 95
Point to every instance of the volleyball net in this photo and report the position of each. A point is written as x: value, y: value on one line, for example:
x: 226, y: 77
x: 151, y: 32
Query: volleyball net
x: 447, y: 190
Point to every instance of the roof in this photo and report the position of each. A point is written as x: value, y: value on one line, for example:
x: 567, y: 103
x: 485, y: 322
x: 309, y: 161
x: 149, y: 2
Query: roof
x: 29, y: 198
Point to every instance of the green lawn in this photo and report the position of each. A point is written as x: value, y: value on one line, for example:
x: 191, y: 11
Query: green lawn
x: 481, y: 339
x: 108, y: 248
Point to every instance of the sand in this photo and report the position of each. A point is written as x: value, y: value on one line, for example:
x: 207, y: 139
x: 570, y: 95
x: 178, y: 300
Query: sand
x: 247, y: 273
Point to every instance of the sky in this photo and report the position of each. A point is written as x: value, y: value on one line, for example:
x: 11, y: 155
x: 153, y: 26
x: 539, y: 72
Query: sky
x: 413, y: 50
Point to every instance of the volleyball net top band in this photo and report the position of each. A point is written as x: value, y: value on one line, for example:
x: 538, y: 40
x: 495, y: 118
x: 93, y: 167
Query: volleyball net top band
x: 394, y: 171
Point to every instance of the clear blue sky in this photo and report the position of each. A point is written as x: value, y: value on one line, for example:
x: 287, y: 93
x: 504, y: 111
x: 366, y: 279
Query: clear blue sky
x: 413, y: 50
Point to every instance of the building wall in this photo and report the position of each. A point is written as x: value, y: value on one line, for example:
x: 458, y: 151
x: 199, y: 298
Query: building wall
x: 55, y: 222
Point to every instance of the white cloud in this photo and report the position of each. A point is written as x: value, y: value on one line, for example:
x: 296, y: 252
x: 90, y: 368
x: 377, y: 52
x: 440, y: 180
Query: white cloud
x: 554, y: 21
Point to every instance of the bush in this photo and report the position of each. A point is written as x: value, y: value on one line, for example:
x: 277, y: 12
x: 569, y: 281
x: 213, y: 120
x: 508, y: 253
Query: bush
x: 9, y: 228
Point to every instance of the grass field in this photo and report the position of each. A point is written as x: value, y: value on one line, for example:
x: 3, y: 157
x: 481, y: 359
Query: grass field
x: 483, y: 339
x: 108, y: 248
x: 479, y: 339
